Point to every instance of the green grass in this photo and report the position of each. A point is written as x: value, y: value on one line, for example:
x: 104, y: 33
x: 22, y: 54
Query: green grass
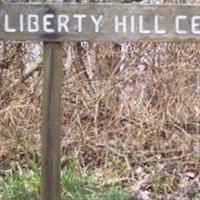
x: 76, y: 185
x: 20, y: 185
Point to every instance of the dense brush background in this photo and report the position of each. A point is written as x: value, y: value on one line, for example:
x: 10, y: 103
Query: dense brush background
x: 131, y: 113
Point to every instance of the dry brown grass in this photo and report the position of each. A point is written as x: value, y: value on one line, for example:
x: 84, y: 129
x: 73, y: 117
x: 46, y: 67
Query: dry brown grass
x: 133, y: 119
x: 131, y: 114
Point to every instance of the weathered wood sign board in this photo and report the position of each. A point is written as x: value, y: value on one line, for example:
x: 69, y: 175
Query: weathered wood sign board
x: 54, y: 23
x: 100, y: 22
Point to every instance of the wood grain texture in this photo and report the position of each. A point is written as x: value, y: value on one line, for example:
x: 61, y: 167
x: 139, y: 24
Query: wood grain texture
x: 166, y: 13
x: 53, y: 67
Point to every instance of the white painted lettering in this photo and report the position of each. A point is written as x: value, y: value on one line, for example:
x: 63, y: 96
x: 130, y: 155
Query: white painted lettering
x: 195, y: 25
x: 33, y: 23
x: 7, y: 28
x: 80, y: 21
x: 47, y: 23
x: 63, y: 21
x: 21, y: 23
x: 157, y: 26
x: 141, y: 26
x: 119, y: 24
x: 132, y: 24
x: 96, y: 22
x: 177, y: 24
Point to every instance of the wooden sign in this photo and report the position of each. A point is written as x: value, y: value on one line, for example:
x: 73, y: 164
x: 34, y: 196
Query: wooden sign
x: 99, y: 22
x: 54, y: 23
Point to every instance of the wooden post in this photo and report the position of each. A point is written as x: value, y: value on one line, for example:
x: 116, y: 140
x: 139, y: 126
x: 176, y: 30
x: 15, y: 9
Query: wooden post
x: 53, y: 67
